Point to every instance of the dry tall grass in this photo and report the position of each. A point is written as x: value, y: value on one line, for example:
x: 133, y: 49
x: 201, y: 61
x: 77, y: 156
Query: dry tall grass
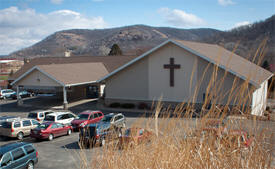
x: 178, y: 142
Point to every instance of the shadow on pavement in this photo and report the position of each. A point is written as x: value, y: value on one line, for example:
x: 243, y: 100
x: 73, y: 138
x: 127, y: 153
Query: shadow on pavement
x: 73, y: 145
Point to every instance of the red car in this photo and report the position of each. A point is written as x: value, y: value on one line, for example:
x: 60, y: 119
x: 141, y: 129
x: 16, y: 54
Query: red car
x: 86, y: 117
x: 240, y: 137
x: 219, y: 129
x: 50, y: 130
x: 134, y: 136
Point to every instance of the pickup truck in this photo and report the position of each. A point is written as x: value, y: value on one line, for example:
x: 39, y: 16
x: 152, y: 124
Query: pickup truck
x: 109, y: 128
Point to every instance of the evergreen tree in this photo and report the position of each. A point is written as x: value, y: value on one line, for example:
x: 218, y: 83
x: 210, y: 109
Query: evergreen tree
x: 115, y: 50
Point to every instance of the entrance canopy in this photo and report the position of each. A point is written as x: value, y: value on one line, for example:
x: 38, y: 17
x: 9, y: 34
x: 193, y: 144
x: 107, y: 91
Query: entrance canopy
x: 62, y: 75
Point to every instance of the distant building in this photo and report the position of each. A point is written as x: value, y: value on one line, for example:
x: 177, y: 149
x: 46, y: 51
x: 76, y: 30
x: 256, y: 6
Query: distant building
x: 8, y: 66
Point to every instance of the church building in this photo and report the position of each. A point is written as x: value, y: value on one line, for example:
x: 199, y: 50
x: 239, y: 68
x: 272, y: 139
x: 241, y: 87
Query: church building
x: 182, y: 71
x: 175, y: 71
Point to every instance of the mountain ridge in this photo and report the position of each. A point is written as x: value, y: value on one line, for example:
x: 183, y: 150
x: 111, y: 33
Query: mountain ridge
x: 135, y: 39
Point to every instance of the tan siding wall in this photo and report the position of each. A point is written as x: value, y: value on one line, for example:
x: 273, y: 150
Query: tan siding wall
x: 130, y: 83
x: 31, y: 80
x: 159, y: 78
x: 220, y: 88
x: 147, y: 80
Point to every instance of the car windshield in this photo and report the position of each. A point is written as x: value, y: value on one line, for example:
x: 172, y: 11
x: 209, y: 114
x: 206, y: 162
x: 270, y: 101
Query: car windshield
x: 43, y: 126
x: 49, y: 118
x: 83, y: 116
x: 32, y: 115
x: 106, y: 118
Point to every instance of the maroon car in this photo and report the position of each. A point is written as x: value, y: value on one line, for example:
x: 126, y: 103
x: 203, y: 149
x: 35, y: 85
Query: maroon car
x: 86, y: 117
x: 49, y: 130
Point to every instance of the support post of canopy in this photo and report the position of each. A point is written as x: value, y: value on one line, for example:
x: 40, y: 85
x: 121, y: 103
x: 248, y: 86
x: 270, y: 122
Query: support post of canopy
x: 65, y: 102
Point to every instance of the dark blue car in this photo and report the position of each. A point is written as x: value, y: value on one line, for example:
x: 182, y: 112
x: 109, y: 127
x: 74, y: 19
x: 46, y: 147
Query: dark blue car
x: 18, y: 155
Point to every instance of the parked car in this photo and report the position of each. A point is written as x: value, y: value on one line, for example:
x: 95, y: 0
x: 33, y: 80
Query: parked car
x: 22, y: 94
x: 6, y: 118
x: 134, y: 136
x: 64, y: 117
x: 5, y: 93
x: 108, y: 129
x: 18, y: 127
x: 218, y: 129
x: 39, y: 115
x: 117, y: 121
x: 50, y: 130
x: 18, y: 155
x: 238, y: 138
x: 86, y: 117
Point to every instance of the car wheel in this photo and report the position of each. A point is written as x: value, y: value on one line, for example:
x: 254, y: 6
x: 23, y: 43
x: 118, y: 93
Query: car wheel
x: 30, y: 165
x: 69, y: 132
x: 50, y: 138
x: 20, y: 136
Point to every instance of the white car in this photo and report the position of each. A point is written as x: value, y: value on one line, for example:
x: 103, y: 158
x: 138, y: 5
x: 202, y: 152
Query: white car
x: 5, y: 93
x: 64, y: 117
x: 39, y: 115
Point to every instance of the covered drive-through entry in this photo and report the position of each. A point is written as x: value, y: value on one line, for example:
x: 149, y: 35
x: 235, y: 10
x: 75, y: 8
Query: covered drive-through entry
x: 73, y: 80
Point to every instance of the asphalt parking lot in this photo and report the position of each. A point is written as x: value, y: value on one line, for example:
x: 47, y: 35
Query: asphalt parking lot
x: 64, y: 152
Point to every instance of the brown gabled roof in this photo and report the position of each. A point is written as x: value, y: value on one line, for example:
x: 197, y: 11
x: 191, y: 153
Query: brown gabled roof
x: 229, y: 61
x: 215, y: 54
x: 75, y: 73
x: 110, y: 62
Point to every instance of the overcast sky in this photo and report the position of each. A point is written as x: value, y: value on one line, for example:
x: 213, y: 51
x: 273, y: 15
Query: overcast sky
x: 25, y: 22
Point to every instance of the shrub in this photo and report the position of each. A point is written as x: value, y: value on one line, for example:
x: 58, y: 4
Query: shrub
x: 114, y: 105
x: 143, y: 106
x: 128, y: 106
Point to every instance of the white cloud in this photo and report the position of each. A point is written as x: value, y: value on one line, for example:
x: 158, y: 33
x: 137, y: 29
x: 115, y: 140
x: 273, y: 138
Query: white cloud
x: 180, y: 18
x: 242, y: 24
x: 56, y: 1
x: 22, y: 28
x: 226, y: 2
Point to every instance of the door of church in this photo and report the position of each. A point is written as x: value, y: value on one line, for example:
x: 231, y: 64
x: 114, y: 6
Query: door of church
x: 92, y: 91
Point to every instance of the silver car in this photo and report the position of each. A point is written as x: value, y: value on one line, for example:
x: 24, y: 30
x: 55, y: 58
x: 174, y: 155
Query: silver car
x: 18, y: 127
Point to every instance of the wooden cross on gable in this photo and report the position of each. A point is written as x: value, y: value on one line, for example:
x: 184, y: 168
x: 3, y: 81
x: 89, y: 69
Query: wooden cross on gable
x: 172, y: 66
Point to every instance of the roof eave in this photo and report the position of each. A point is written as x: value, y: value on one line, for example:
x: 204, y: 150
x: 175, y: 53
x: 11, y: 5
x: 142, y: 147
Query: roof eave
x: 37, y: 68
x: 82, y: 83
x: 213, y: 62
